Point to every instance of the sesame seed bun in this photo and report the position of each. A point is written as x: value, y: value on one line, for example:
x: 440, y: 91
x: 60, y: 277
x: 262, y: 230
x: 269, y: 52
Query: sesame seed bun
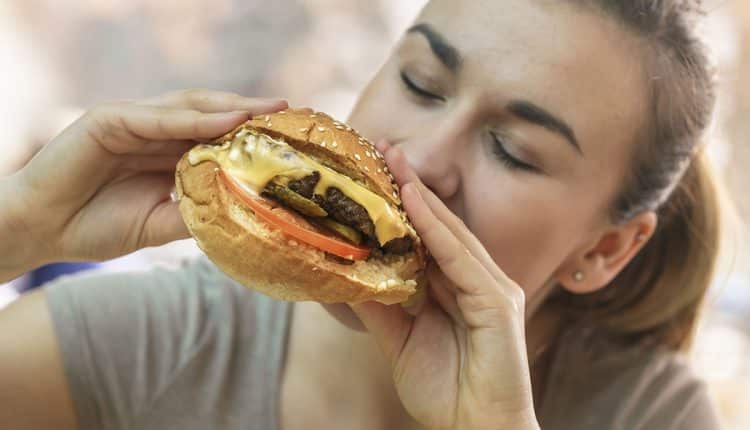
x: 261, y: 257
x: 334, y: 143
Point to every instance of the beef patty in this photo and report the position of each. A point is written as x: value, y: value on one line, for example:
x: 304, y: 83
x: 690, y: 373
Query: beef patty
x: 346, y: 211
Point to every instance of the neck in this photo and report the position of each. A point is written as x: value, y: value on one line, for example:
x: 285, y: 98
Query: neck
x: 544, y: 323
x: 333, y: 368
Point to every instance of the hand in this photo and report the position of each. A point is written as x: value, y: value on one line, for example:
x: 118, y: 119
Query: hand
x: 101, y: 188
x: 459, y: 362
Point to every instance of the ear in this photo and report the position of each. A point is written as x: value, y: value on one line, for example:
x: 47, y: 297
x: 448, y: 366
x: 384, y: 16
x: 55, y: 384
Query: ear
x: 595, y: 266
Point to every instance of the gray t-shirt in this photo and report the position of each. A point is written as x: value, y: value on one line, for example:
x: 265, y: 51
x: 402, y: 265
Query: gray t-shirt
x: 191, y: 349
x: 170, y: 349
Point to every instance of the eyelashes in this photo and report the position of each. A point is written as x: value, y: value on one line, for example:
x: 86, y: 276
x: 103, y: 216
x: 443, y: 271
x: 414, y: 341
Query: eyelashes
x: 507, y: 158
x: 419, y: 91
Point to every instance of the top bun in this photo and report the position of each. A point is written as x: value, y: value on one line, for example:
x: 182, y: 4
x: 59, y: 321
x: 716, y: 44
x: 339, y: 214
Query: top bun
x: 333, y: 143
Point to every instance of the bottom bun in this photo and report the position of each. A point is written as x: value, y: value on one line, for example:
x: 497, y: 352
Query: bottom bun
x: 262, y: 258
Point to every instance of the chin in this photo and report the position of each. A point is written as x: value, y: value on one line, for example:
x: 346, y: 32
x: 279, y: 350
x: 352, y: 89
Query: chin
x: 346, y: 316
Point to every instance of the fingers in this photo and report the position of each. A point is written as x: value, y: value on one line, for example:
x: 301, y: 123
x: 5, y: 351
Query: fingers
x: 123, y: 128
x: 482, y: 298
x: 166, y: 147
x: 399, y: 166
x: 382, y: 146
x: 164, y: 223
x: 442, y: 293
x: 404, y: 174
x: 208, y: 101
x: 453, y: 257
x: 151, y: 163
x: 459, y: 229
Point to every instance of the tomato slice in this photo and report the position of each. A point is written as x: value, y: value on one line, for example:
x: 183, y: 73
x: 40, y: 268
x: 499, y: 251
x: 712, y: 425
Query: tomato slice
x: 262, y: 209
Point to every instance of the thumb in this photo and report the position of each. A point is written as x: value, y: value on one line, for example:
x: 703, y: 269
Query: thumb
x: 389, y: 325
x: 164, y: 225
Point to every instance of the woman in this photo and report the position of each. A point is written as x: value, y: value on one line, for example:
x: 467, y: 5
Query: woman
x: 548, y: 156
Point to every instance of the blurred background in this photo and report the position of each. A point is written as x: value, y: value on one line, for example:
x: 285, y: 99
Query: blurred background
x: 60, y: 57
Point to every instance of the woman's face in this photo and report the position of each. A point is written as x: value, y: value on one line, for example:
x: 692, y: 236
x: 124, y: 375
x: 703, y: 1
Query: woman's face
x: 521, y: 115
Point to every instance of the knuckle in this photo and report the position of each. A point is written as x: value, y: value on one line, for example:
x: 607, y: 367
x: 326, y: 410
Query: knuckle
x: 454, y: 255
x: 195, y: 95
x: 517, y: 296
x: 98, y: 123
x: 197, y: 126
x: 163, y: 128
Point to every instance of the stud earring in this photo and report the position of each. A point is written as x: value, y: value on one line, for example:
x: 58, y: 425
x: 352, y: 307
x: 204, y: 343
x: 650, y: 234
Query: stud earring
x: 578, y: 276
x: 640, y: 237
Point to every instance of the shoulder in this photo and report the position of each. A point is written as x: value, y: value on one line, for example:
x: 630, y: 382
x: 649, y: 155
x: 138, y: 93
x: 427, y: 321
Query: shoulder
x: 135, y: 345
x: 597, y: 383
x: 194, y: 300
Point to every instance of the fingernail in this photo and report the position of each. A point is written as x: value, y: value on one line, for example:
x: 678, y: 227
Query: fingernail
x: 381, y: 145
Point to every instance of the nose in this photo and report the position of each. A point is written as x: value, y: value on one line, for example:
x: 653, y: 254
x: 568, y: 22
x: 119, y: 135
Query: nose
x: 435, y: 157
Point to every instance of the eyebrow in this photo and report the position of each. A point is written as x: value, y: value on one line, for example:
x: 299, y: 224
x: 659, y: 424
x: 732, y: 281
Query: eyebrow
x: 536, y: 115
x: 444, y: 51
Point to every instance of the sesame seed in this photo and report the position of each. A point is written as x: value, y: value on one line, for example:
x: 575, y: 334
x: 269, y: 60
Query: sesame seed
x: 385, y: 169
x: 321, y: 129
x: 367, y: 153
x: 395, y: 195
x: 267, y: 118
x: 304, y: 130
x: 367, y: 169
x: 357, y: 157
x: 269, y: 124
x: 323, y: 144
x: 282, y: 112
x: 380, y: 170
x: 334, y: 144
x: 313, y: 115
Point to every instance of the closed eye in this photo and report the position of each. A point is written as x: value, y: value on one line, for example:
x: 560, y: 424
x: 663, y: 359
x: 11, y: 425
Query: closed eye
x: 419, y: 91
x: 508, y: 159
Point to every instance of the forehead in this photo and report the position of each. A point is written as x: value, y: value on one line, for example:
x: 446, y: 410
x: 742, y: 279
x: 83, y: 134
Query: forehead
x: 580, y: 65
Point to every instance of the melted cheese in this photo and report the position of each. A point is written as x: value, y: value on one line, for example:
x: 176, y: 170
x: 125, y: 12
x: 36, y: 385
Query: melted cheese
x: 254, y: 159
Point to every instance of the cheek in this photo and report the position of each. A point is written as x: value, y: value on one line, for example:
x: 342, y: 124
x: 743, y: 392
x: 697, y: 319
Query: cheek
x: 384, y: 110
x: 522, y: 224
x: 377, y: 108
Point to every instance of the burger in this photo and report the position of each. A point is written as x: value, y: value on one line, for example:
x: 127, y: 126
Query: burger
x: 299, y: 206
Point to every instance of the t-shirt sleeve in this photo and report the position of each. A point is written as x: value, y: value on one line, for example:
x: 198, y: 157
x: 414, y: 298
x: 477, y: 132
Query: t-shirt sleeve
x: 181, y: 348
x: 596, y: 383
x: 700, y: 413
x: 672, y: 398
